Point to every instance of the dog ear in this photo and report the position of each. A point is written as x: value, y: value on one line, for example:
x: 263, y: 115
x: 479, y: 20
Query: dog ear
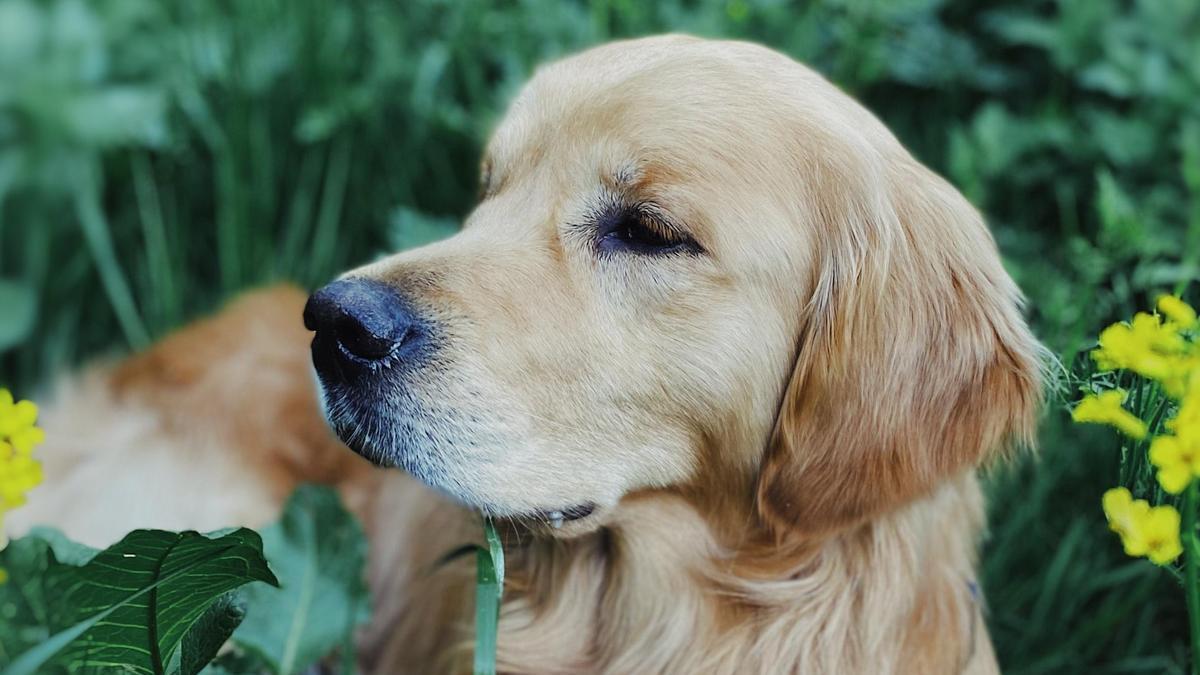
x: 913, y: 364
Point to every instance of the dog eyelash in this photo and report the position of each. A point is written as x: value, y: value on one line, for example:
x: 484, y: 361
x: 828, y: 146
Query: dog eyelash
x: 640, y: 230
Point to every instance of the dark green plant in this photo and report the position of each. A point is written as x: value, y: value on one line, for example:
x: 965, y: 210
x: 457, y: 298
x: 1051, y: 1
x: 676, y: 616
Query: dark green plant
x: 156, y: 156
x: 163, y: 603
x: 155, y: 602
x: 319, y: 551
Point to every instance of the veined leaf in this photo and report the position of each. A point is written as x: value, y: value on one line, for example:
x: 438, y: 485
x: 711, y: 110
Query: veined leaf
x: 319, y: 551
x: 132, y: 604
x: 236, y: 662
x: 205, y: 637
x: 23, y: 604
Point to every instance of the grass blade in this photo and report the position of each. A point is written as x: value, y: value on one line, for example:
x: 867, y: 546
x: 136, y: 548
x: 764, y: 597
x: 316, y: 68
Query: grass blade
x: 98, y: 235
x: 158, y: 255
x: 324, y: 250
x: 489, y: 586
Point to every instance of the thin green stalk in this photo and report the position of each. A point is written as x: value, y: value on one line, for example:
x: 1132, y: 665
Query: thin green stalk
x: 99, y: 240
x: 227, y: 184
x: 1191, y: 575
x: 229, y: 224
x: 489, y: 588
x: 329, y: 217
x: 1191, y: 178
x: 300, y: 218
x: 154, y: 233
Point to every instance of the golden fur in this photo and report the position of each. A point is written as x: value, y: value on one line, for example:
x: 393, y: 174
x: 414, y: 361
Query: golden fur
x: 780, y: 434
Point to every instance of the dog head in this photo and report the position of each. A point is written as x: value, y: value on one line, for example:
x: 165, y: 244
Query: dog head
x: 695, y: 264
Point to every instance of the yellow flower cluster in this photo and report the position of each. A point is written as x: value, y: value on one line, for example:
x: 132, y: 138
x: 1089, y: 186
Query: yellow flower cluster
x: 1150, y: 531
x: 1153, y: 348
x: 1105, y: 408
x: 19, y: 471
x: 1163, y: 348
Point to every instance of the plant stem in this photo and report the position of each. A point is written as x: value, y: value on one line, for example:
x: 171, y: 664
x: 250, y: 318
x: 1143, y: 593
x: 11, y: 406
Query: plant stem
x: 1191, y: 578
x: 98, y: 234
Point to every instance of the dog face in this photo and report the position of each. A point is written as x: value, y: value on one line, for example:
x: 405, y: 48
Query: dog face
x: 694, y: 264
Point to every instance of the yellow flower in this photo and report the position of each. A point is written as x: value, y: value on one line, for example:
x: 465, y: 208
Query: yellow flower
x: 1122, y: 511
x: 1147, y: 347
x: 19, y: 471
x: 1186, y: 421
x: 1159, y: 536
x: 1178, y: 461
x: 1177, y: 311
x: 1177, y: 456
x: 1152, y: 532
x: 1105, y: 408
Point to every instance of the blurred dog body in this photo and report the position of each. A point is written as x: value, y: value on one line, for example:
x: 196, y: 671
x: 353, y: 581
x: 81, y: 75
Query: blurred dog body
x: 709, y: 308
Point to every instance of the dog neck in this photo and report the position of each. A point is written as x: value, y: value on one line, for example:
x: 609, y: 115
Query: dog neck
x: 659, y: 589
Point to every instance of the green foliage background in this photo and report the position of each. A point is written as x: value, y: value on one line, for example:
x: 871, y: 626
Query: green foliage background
x: 158, y: 155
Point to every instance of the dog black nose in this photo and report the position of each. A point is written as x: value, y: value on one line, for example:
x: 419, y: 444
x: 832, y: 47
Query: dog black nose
x: 366, y: 319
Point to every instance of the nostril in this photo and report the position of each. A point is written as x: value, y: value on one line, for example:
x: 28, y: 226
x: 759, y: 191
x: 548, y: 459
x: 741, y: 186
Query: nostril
x: 361, y: 341
x: 359, y: 319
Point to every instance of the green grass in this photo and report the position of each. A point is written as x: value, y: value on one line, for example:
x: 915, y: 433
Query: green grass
x: 156, y: 156
x: 1061, y: 593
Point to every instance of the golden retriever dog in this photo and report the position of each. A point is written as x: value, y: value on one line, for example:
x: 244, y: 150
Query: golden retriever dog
x: 719, y: 353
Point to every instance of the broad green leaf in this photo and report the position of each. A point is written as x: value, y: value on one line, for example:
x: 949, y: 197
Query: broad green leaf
x: 132, y: 604
x: 489, y: 587
x: 209, y: 633
x: 66, y: 551
x: 24, y: 608
x: 319, y: 552
x: 236, y: 662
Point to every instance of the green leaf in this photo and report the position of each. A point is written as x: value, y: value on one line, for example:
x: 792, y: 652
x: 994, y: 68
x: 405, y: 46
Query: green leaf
x: 66, y: 551
x: 132, y: 604
x: 23, y: 606
x: 236, y: 662
x: 18, y: 310
x: 204, y: 639
x: 117, y: 114
x: 319, y: 551
x: 489, y: 587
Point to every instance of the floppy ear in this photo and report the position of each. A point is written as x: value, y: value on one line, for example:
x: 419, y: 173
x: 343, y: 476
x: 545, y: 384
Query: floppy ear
x: 913, y: 363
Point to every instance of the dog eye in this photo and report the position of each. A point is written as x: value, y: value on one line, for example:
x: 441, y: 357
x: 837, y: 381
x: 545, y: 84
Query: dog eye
x: 632, y: 231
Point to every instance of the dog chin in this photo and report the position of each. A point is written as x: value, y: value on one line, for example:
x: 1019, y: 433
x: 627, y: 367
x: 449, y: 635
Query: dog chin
x: 394, y: 445
x: 384, y: 442
x: 563, y: 521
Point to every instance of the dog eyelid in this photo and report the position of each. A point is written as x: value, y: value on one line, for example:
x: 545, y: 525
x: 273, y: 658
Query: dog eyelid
x: 657, y: 218
x: 640, y: 228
